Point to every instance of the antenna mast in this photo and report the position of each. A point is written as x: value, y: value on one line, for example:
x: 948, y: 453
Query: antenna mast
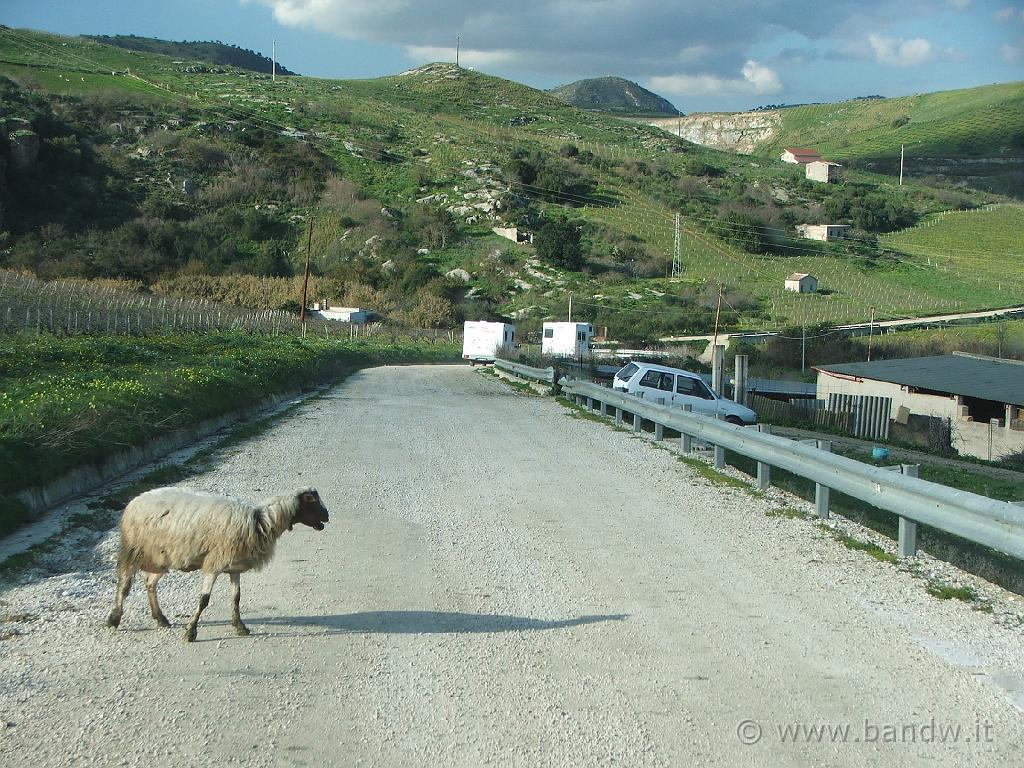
x: 273, y: 62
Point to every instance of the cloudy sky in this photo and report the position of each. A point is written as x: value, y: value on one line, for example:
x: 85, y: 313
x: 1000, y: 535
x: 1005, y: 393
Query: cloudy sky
x: 700, y: 54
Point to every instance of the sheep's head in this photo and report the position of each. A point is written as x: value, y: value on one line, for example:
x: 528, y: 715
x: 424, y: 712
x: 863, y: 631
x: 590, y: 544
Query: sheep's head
x: 311, y: 510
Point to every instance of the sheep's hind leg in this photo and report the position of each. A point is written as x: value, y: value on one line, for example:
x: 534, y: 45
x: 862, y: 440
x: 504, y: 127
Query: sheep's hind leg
x: 236, y: 596
x: 154, y: 605
x: 125, y: 574
x: 209, y: 579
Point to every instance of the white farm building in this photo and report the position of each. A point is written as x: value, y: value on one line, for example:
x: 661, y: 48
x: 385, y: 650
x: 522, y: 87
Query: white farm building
x: 801, y: 282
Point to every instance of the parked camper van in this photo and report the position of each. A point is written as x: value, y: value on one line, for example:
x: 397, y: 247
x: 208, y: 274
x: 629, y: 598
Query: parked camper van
x: 678, y: 387
x: 482, y: 339
x: 566, y: 339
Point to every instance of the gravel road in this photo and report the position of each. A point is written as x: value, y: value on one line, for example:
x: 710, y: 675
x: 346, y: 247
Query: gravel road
x: 503, y: 582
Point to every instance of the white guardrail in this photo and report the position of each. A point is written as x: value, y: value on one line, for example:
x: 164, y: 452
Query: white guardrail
x: 995, y: 524
x: 544, y: 375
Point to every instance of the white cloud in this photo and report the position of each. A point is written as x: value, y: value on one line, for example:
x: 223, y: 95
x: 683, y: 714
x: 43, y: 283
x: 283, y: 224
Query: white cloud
x: 1012, y: 53
x: 901, y: 53
x: 467, y: 56
x: 756, y: 79
x: 763, y: 79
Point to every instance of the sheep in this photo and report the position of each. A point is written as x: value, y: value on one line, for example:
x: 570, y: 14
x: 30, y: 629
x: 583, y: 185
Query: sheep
x: 181, y: 530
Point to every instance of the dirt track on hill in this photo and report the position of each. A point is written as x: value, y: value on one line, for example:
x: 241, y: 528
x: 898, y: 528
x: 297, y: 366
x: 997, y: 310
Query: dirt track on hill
x: 505, y: 583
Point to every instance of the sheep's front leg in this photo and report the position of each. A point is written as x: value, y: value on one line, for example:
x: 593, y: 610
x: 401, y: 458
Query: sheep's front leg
x: 154, y: 605
x: 209, y: 579
x: 236, y: 596
x: 125, y: 574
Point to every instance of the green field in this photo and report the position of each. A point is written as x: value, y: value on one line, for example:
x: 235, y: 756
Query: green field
x: 974, y: 122
x: 980, y: 250
x: 69, y: 401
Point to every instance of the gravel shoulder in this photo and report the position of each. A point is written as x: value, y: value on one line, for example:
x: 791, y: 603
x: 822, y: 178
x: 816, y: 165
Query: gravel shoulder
x: 504, y: 582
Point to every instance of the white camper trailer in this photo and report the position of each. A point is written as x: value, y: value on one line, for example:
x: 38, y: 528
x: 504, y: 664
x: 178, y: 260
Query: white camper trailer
x: 567, y: 339
x: 481, y: 340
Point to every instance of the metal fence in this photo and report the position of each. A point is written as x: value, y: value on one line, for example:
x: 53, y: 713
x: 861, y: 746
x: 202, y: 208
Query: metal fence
x: 995, y: 524
x: 543, y: 375
x: 869, y: 413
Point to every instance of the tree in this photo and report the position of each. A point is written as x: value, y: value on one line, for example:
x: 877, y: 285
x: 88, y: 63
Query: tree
x: 558, y: 243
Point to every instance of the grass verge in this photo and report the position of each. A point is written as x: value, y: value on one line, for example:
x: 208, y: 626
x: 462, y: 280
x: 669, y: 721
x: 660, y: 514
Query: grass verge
x: 69, y: 402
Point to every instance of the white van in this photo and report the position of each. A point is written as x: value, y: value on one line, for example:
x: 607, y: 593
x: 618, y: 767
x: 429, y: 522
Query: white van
x: 482, y: 339
x: 677, y: 387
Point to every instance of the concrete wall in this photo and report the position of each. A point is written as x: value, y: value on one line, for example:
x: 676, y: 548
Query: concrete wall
x: 926, y: 405
x: 972, y: 438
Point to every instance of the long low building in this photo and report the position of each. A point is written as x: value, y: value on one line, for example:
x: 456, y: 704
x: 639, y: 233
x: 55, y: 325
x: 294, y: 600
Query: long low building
x: 981, y: 397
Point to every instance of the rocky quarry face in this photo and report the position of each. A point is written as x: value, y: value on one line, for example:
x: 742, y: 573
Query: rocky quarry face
x: 730, y: 131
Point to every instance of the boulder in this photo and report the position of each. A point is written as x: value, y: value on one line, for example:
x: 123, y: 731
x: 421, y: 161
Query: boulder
x: 23, y: 146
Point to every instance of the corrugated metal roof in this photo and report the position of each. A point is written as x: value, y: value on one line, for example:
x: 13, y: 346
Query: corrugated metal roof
x: 957, y: 374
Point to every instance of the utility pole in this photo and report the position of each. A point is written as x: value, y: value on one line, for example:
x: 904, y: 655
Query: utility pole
x: 871, y: 332
x: 273, y: 62
x: 305, y: 276
x: 901, y: 165
x: 677, y: 267
x: 570, y: 307
x: 803, y: 350
x: 718, y: 313
x: 458, y: 45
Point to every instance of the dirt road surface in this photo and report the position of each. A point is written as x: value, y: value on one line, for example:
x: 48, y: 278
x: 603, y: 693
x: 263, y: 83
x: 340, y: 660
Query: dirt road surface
x: 505, y: 583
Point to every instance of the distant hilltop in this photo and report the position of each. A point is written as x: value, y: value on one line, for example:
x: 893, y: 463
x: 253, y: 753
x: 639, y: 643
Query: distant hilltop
x: 211, y: 51
x: 613, y: 94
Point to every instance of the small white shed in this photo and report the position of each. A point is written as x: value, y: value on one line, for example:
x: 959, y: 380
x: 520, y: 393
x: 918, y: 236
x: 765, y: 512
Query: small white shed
x: 824, y: 232
x: 801, y: 282
x: 822, y: 170
x: 354, y: 315
x: 567, y: 339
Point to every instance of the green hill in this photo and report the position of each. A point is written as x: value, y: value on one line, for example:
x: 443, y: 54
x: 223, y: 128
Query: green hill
x: 214, y: 52
x: 123, y: 164
x: 984, y: 122
x: 613, y: 94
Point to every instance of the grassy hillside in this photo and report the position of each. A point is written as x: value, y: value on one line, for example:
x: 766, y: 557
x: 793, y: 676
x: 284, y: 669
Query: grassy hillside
x: 191, y: 174
x: 203, y: 50
x: 983, y: 122
x: 984, y: 245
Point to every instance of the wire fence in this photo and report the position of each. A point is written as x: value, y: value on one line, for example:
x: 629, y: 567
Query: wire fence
x: 29, y: 305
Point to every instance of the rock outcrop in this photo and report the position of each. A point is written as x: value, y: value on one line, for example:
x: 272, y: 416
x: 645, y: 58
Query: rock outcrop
x: 729, y: 131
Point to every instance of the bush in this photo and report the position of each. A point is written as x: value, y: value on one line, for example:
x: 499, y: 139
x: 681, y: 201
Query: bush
x: 558, y: 243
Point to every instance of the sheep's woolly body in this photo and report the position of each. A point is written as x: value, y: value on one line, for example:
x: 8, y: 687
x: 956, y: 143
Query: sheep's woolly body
x: 171, y: 529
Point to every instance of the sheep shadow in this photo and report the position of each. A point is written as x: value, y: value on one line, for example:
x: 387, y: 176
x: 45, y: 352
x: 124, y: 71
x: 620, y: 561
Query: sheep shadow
x: 428, y: 622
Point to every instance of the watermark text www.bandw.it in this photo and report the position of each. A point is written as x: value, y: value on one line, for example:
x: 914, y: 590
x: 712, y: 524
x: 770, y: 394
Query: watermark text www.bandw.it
x: 866, y: 731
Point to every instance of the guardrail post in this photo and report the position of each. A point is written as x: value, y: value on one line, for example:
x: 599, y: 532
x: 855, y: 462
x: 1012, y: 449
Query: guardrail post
x: 822, y: 492
x: 637, y: 422
x: 719, y: 450
x: 604, y: 410
x: 764, y: 471
x: 685, y: 441
x: 618, y: 417
x: 908, y: 528
x: 659, y: 429
x: 590, y: 403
